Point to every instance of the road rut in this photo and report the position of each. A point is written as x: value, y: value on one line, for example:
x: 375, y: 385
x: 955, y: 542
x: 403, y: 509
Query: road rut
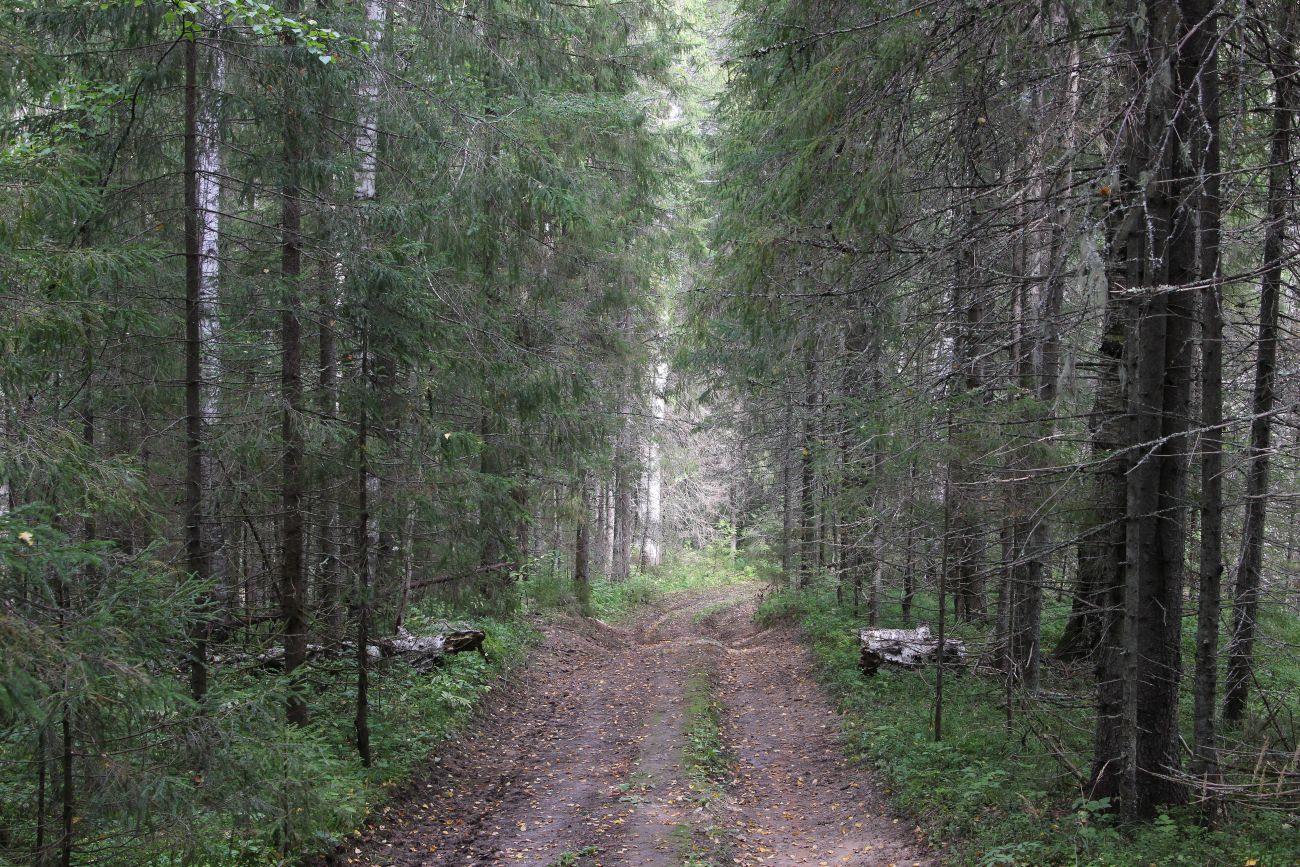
x: 579, y: 761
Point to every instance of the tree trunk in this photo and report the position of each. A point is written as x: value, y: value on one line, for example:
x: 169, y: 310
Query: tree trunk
x: 1153, y: 257
x: 1248, y: 585
x: 787, y: 495
x: 623, y: 529
x: 206, y: 558
x: 369, y: 488
x: 293, y: 578
x: 581, y: 577
x: 964, y: 542
x: 330, y: 590
x: 196, y: 555
x: 909, y: 574
x: 66, y: 844
x: 607, y: 540
x: 655, y: 473
x: 1200, y: 126
x: 807, y: 501
x: 367, y: 543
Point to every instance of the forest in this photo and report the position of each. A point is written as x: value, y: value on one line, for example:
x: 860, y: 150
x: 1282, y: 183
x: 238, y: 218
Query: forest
x: 649, y: 432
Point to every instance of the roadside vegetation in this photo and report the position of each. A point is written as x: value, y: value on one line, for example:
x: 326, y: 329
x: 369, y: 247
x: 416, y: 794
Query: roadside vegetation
x: 709, y: 765
x: 1004, y: 788
x: 552, y: 589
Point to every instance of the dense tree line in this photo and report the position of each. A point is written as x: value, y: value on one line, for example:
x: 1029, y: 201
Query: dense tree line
x: 319, y: 311
x: 312, y: 309
x: 1001, y: 289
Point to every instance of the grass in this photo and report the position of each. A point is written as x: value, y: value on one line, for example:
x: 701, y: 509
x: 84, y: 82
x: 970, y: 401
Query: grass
x: 584, y: 857
x: 716, y: 608
x: 705, y: 754
x: 708, y: 765
x: 550, y: 589
x: 309, y: 790
x: 988, y: 796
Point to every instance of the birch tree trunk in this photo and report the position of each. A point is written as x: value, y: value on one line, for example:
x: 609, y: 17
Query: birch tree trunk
x: 621, y: 549
x: 654, y: 471
x: 605, y: 529
x: 208, y: 197
x: 206, y: 558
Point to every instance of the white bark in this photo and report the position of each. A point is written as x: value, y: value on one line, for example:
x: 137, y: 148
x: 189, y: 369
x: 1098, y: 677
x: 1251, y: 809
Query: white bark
x: 209, y: 307
x: 654, y: 471
x: 419, y: 651
x: 368, y: 98
x: 907, y: 648
x: 6, y: 493
x: 366, y: 145
x: 607, y: 556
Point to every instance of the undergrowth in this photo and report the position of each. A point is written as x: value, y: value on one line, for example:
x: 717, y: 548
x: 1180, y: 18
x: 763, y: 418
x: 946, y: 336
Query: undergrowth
x: 266, y: 793
x: 705, y: 754
x: 311, y: 790
x: 549, y: 588
x: 988, y: 795
x: 315, y: 791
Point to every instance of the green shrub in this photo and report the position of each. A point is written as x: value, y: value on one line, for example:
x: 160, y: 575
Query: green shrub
x: 987, y: 796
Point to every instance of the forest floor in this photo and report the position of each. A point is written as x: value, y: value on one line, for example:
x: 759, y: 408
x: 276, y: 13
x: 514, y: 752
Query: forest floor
x: 686, y: 736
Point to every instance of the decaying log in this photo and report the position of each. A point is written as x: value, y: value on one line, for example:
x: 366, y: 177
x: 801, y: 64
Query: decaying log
x: 906, y: 648
x: 421, y: 652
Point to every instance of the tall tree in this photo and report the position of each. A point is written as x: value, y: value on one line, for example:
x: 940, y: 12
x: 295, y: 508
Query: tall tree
x: 1199, y: 127
x: 1247, y: 584
x: 293, y: 573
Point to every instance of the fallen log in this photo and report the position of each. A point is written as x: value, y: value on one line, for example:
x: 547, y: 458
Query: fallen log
x: 424, y: 651
x: 906, y: 648
x: 421, y: 652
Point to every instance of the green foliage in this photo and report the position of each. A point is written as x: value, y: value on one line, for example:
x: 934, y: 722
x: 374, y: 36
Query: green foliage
x: 89, y: 636
x: 987, y: 796
x: 705, y: 754
x: 709, y: 763
x: 235, y: 786
x: 684, y: 571
x: 577, y: 858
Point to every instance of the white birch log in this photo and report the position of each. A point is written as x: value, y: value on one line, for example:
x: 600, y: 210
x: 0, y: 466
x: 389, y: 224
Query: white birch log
x: 906, y: 648
x: 421, y: 652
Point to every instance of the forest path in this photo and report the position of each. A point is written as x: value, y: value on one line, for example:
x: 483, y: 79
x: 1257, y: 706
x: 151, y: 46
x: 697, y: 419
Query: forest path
x: 579, y: 762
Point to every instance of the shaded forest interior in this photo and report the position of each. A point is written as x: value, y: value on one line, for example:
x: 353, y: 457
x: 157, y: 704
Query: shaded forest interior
x: 334, y: 329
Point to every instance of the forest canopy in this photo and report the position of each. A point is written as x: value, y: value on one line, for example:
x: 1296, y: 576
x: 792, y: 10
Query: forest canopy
x: 330, y: 326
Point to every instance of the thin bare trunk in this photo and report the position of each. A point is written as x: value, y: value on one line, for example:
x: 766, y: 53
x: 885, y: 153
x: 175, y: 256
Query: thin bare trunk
x: 293, y: 578
x: 1248, y: 583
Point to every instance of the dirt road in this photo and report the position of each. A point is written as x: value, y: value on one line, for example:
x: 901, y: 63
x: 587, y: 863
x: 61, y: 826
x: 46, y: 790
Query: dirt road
x: 581, y: 761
